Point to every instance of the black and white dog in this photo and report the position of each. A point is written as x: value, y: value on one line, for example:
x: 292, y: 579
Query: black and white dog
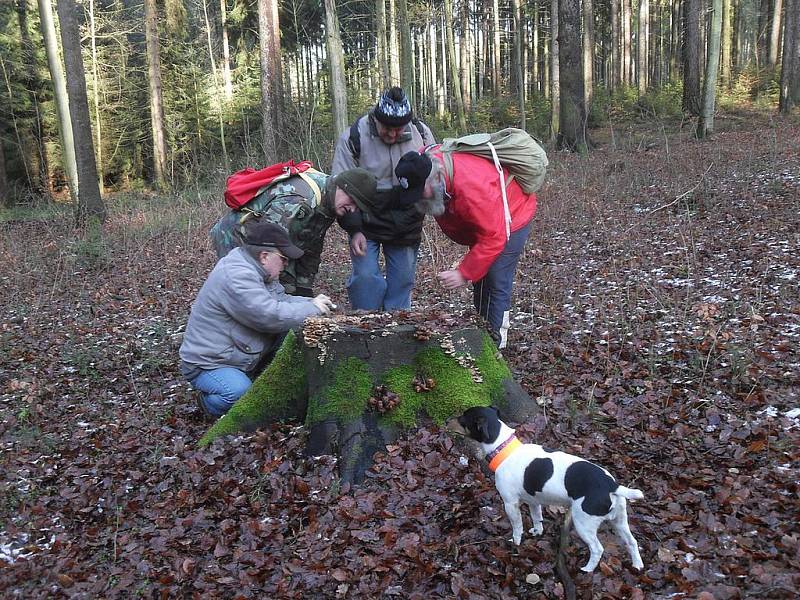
x: 529, y: 473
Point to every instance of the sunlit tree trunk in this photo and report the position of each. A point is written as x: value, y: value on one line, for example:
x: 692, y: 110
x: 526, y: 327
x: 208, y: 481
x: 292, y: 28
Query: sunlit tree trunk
x: 691, y: 57
x: 775, y: 34
x: 790, y: 72
x: 219, y: 92
x: 90, y: 204
x: 588, y: 52
x: 156, y: 101
x: 641, y: 46
x: 383, y: 54
x: 407, y: 76
x: 442, y: 111
x: 271, y: 79
x: 535, y: 74
x: 675, y: 37
x: 555, y: 79
x: 705, y: 125
x: 451, y: 59
x: 96, y: 100
x: 227, y: 79
x: 60, y: 94
x: 727, y: 39
x: 572, y: 127
x: 496, y: 47
x: 336, y: 64
x: 519, y: 81
x: 464, y: 50
x: 394, y: 55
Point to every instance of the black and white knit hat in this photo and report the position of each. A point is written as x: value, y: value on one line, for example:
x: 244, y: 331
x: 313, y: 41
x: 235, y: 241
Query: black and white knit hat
x: 393, y: 108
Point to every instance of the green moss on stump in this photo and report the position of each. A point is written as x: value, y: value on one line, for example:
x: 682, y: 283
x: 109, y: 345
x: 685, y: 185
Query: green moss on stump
x: 275, y: 393
x: 346, y: 397
x: 455, y: 390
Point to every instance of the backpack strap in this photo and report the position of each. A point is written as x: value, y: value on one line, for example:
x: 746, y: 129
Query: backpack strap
x: 313, y: 185
x: 354, y: 141
x: 499, y: 167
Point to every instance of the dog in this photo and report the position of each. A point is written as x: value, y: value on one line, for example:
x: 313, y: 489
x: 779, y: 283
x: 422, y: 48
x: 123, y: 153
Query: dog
x: 534, y: 475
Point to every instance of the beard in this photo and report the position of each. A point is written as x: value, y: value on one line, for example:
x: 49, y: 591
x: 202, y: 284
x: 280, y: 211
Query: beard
x: 434, y: 205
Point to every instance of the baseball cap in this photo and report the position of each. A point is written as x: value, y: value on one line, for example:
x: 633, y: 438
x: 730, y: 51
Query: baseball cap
x: 270, y: 235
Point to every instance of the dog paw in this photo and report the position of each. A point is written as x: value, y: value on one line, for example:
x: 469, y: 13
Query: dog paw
x: 517, y: 539
x: 638, y: 564
x: 587, y: 569
x: 536, y: 530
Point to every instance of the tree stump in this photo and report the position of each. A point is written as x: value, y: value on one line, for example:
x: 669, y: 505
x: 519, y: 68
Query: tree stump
x: 358, y: 380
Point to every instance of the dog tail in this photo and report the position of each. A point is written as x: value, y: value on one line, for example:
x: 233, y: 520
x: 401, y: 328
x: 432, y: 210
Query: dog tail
x: 629, y: 493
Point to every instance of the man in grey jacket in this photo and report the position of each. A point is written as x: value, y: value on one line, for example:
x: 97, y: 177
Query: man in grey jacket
x: 375, y: 142
x: 241, y: 316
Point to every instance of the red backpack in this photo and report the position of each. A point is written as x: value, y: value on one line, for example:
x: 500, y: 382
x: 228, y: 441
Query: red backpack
x: 245, y: 185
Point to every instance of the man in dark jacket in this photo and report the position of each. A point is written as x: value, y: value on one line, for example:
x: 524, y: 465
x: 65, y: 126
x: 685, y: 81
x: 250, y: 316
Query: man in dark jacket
x: 376, y: 142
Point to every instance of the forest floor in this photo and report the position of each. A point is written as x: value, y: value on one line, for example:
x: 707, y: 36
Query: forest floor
x: 656, y: 323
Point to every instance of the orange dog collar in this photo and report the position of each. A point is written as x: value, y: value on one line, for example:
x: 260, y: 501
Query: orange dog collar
x: 502, y: 452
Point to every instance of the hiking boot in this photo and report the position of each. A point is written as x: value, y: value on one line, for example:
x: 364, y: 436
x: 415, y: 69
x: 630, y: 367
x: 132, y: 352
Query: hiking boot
x: 205, y: 415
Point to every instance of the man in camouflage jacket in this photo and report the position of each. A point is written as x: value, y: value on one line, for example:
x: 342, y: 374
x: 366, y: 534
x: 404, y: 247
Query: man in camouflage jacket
x: 306, y: 211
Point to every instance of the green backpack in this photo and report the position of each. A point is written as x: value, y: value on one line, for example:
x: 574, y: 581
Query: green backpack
x: 512, y: 150
x: 516, y: 152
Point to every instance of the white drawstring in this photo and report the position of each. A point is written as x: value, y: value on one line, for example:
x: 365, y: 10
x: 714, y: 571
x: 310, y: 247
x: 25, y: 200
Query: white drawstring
x: 506, y: 211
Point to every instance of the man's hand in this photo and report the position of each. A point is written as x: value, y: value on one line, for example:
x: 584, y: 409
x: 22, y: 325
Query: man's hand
x: 323, y: 303
x: 452, y: 279
x: 358, y: 244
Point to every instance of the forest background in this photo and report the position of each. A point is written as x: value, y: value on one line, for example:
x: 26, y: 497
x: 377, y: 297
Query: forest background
x: 171, y: 92
x: 657, y: 314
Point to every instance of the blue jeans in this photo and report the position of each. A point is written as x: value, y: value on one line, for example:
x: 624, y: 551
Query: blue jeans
x: 492, y: 294
x: 220, y: 388
x: 367, y: 286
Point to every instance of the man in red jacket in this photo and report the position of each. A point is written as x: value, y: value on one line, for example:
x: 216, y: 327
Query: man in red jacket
x: 470, y: 209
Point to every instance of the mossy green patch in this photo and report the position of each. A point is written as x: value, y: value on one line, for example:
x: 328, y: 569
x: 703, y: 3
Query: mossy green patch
x: 274, y: 394
x: 345, y: 398
x: 455, y: 390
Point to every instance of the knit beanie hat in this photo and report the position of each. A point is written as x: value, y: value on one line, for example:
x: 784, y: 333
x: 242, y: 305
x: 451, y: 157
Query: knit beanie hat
x: 360, y: 185
x: 393, y: 108
x: 412, y: 170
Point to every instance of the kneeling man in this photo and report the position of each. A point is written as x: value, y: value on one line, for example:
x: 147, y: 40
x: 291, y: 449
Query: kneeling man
x: 241, y: 316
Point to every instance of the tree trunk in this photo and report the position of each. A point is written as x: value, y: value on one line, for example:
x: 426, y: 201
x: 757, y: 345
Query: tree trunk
x: 775, y: 34
x: 727, y: 40
x: 90, y: 204
x: 96, y: 102
x: 358, y: 385
x: 34, y: 137
x: 271, y: 79
x: 555, y: 78
x: 156, y: 100
x: 641, y: 46
x: 790, y: 71
x: 691, y: 57
x: 227, y: 79
x: 451, y: 59
x: 60, y: 95
x: 588, y: 53
x: 572, y: 127
x: 615, y: 70
x: 382, y: 50
x: 219, y: 92
x: 5, y: 195
x: 406, y: 55
x: 394, y: 55
x: 519, y: 80
x: 496, y: 48
x: 626, y: 42
x: 336, y: 64
x: 705, y: 125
